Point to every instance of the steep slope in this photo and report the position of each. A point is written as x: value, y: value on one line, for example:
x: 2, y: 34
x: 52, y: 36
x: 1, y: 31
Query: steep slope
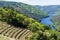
x: 53, y: 10
x: 56, y: 20
x: 5, y: 38
x: 13, y: 32
x: 12, y: 27
x: 26, y: 9
x: 49, y: 9
x: 17, y: 25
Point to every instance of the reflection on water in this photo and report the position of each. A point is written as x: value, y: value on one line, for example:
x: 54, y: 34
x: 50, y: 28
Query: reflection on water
x: 47, y: 20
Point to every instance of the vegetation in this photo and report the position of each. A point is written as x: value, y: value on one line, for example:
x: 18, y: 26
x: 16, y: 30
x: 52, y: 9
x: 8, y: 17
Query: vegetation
x: 56, y: 20
x: 50, y: 9
x: 12, y: 31
x: 39, y: 31
x: 26, y: 9
x: 4, y: 38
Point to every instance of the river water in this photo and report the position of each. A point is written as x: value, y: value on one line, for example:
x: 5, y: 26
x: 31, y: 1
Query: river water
x: 47, y: 20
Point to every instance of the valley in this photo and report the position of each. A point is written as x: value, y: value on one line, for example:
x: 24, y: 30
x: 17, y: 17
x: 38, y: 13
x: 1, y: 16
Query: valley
x: 53, y: 11
x: 20, y: 21
x: 47, y: 21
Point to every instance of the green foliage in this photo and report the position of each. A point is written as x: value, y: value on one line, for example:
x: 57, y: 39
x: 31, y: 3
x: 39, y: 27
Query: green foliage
x: 35, y: 26
x: 39, y: 31
x: 56, y: 20
x: 26, y: 9
x: 46, y: 35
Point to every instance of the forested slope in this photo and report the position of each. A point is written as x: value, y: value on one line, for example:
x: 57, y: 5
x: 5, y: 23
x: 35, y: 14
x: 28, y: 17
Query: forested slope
x: 56, y: 20
x: 38, y: 30
x: 26, y: 9
x: 50, y: 8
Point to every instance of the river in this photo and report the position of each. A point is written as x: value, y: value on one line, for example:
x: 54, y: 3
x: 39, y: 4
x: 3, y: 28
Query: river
x: 47, y: 21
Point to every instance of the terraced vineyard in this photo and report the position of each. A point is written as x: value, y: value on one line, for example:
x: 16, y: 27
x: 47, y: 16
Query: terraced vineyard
x: 13, y: 32
x: 5, y: 38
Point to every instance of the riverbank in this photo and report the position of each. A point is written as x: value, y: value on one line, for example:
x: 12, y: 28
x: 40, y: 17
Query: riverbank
x: 47, y: 21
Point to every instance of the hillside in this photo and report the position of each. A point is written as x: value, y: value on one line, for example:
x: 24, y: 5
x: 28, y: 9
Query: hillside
x: 5, y: 38
x: 50, y: 8
x: 26, y: 9
x: 56, y: 20
x: 13, y: 32
x: 18, y: 21
x: 54, y: 14
x: 17, y: 25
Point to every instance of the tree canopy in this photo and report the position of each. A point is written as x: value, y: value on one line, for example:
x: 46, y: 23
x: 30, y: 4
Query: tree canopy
x: 39, y: 31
